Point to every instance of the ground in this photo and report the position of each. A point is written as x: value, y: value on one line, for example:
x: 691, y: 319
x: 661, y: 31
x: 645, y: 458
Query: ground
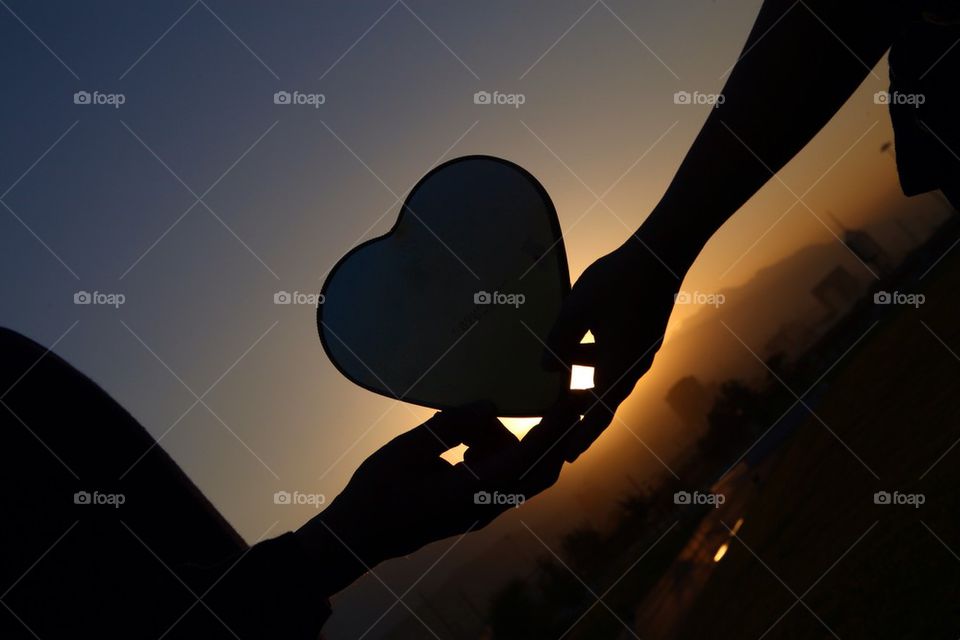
x: 816, y: 556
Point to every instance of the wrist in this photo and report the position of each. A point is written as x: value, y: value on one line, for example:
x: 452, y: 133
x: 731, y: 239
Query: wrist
x: 337, y: 557
x: 673, y: 235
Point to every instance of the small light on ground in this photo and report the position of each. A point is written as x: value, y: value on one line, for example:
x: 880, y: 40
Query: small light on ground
x: 722, y: 551
x: 736, y: 527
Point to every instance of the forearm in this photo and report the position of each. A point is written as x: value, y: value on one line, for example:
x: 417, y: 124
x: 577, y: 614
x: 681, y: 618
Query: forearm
x: 801, y: 62
x: 337, y: 556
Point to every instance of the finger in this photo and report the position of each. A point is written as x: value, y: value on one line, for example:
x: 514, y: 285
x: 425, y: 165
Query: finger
x: 555, y: 421
x: 614, y: 380
x: 547, y: 438
x: 543, y: 451
x: 508, y: 465
x: 491, y: 435
x: 447, y: 429
x: 590, y: 427
x: 575, y: 402
x: 584, y: 354
x: 491, y: 440
x: 570, y: 328
x: 599, y: 416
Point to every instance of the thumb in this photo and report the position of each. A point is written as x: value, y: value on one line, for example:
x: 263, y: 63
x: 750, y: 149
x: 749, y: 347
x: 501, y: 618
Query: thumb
x: 445, y: 430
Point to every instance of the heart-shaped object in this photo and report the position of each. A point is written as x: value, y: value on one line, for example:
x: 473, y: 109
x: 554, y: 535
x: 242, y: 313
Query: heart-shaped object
x: 454, y: 303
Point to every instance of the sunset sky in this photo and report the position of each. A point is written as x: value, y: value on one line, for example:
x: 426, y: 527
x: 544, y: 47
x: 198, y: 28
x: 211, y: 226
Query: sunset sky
x: 105, y: 199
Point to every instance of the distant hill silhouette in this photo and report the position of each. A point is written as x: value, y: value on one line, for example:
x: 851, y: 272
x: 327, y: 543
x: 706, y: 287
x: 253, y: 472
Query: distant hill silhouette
x: 755, y: 311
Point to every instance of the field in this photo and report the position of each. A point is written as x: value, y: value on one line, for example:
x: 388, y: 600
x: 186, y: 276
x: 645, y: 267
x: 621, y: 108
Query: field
x: 817, y: 557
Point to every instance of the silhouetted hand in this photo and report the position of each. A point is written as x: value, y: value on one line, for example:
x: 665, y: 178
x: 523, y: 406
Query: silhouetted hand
x: 624, y: 299
x: 405, y: 495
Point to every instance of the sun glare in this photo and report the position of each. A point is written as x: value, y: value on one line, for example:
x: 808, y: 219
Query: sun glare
x: 520, y: 426
x: 455, y: 455
x: 581, y: 377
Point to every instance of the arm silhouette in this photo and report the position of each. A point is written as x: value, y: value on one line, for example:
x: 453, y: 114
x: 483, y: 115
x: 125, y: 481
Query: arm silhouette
x: 801, y: 62
x: 405, y: 495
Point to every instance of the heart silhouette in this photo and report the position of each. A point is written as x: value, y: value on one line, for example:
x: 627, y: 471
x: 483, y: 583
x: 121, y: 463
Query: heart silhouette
x: 454, y: 303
